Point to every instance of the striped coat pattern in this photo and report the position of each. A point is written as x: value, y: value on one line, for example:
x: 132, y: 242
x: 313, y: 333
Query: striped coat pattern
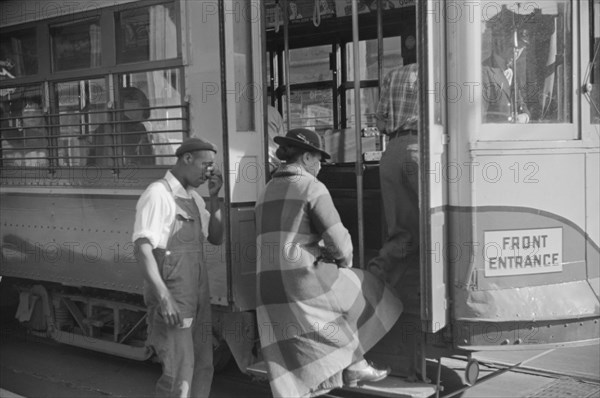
x: 314, y: 318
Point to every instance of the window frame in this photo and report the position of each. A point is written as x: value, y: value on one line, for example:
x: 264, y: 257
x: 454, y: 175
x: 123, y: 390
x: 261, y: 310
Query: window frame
x: 109, y: 70
x: 509, y: 132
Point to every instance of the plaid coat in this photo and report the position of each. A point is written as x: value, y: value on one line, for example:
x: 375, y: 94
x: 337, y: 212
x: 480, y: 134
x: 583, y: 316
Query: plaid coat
x: 314, y: 318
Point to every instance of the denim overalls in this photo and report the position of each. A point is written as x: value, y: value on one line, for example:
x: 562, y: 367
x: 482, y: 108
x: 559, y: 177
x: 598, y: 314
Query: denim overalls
x: 185, y: 352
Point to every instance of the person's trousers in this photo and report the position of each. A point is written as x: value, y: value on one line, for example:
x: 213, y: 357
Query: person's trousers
x: 186, y: 354
x: 399, y: 179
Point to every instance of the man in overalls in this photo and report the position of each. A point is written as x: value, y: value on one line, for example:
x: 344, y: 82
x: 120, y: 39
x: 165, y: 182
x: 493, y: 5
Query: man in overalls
x: 171, y: 223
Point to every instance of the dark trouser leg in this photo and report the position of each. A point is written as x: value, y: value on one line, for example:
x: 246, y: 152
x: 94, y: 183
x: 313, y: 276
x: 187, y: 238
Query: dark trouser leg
x: 399, y: 178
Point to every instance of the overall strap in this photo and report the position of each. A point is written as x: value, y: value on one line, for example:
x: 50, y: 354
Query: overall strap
x: 164, y: 182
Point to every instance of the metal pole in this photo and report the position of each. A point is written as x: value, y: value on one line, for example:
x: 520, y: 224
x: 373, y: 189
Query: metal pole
x: 357, y: 127
x: 286, y: 50
x: 381, y: 137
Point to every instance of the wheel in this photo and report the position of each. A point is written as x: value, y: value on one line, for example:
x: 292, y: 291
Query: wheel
x: 472, y: 371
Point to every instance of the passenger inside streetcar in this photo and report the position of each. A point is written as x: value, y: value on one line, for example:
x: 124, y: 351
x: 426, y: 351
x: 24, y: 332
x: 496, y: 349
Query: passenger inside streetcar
x: 132, y: 133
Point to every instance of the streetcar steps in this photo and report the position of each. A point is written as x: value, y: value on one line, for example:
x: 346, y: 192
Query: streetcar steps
x: 392, y: 386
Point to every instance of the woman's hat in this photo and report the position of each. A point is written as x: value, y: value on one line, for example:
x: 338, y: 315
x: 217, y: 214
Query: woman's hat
x: 304, y: 139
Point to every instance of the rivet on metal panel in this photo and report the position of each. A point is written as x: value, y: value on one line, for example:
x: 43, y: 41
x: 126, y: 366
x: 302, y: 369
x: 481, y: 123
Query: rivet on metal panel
x: 518, y: 341
x: 505, y: 342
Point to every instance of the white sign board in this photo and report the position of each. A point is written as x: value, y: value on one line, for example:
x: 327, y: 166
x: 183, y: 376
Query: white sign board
x: 521, y: 252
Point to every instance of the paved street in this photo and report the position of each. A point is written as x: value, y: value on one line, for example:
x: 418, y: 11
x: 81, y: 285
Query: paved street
x: 32, y: 367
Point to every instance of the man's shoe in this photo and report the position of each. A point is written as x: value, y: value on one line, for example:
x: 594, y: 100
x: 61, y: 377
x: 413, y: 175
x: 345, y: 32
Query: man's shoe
x: 352, y: 378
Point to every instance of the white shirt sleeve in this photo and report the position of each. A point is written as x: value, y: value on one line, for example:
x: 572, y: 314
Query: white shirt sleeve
x: 154, y: 215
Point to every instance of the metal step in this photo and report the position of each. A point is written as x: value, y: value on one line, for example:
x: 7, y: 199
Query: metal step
x: 395, y: 387
x: 392, y: 386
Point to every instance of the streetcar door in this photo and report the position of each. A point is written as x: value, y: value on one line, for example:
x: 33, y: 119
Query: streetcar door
x: 242, y: 89
x: 433, y: 144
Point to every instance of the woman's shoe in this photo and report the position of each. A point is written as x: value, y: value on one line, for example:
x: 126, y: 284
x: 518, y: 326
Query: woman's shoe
x: 352, y: 378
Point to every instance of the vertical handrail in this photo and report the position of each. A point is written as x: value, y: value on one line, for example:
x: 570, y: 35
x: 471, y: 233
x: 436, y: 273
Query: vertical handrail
x: 425, y: 248
x: 226, y: 158
x: 286, y: 60
x: 380, y: 62
x: 357, y: 128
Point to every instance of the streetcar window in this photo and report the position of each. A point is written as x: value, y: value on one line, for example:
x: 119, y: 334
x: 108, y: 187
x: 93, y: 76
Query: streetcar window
x: 18, y: 54
x: 527, y: 46
x: 82, y: 108
x: 369, y: 97
x: 310, y: 108
x: 76, y: 45
x: 310, y: 64
x: 246, y: 92
x: 24, y: 127
x: 147, y: 34
x: 163, y: 116
x: 392, y: 57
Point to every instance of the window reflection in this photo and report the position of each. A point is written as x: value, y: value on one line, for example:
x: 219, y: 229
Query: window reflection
x: 147, y: 34
x: 76, y: 45
x: 310, y: 64
x: 82, y: 106
x: 369, y: 98
x: 18, y: 54
x: 24, y: 128
x: 392, y: 57
x: 311, y: 109
x: 526, y: 63
x: 246, y: 93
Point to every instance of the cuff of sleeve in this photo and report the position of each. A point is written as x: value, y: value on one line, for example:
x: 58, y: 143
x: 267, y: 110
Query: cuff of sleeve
x: 148, y: 235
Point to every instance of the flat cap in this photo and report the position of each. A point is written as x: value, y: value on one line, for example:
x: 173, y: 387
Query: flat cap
x: 195, y: 144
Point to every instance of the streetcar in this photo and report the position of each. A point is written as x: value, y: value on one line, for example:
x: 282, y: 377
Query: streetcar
x: 509, y: 252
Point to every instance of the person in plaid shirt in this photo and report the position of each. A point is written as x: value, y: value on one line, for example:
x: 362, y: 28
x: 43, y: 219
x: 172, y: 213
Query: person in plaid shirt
x: 397, y: 116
